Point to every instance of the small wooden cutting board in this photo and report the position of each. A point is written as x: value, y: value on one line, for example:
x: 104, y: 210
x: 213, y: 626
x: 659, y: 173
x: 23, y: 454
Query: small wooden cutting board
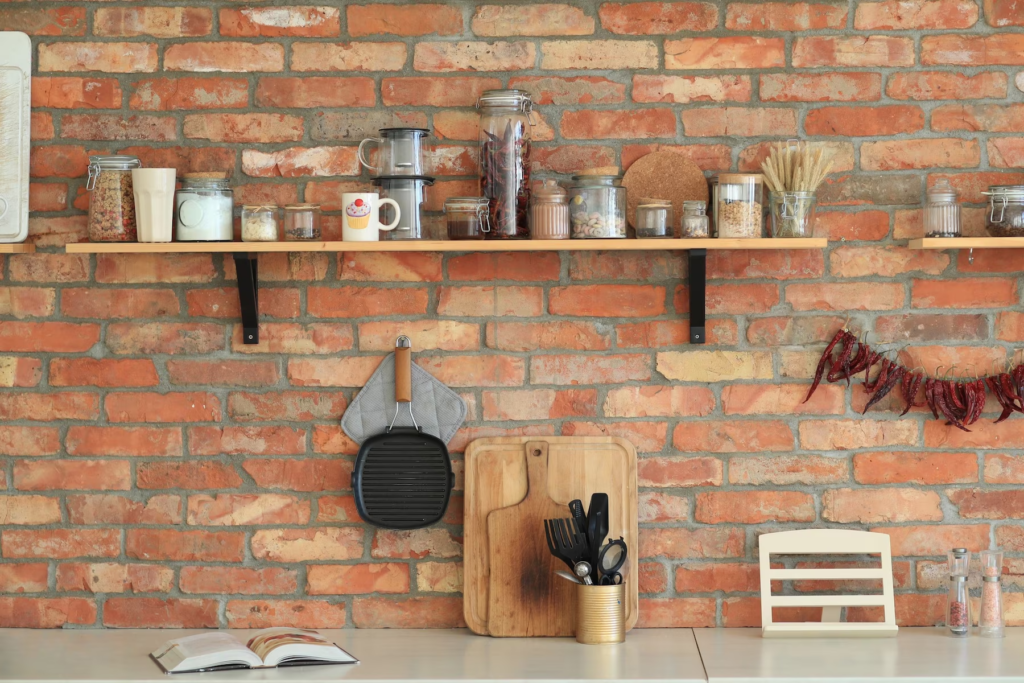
x: 525, y: 597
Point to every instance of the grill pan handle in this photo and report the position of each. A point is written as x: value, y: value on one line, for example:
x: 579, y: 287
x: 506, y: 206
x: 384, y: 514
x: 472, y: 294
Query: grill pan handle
x: 403, y: 370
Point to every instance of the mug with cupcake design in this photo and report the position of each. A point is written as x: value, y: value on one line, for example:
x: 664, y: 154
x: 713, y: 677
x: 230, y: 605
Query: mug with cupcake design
x: 361, y: 219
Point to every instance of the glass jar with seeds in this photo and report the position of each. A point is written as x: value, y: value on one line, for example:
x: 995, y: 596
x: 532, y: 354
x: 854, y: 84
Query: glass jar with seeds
x: 112, y: 199
x: 259, y: 223
x: 740, y: 213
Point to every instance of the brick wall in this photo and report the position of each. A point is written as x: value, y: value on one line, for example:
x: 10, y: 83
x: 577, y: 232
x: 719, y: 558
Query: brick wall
x: 158, y: 473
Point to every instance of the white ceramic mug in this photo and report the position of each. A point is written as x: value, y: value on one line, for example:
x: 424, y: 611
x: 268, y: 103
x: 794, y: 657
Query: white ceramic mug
x: 154, y: 203
x: 360, y: 220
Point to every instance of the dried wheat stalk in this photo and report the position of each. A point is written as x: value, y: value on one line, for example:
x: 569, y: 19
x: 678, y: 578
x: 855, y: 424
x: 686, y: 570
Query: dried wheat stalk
x: 795, y: 168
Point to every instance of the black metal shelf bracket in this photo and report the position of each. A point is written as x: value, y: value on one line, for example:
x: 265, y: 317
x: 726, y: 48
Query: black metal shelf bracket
x: 697, y: 273
x: 246, y: 268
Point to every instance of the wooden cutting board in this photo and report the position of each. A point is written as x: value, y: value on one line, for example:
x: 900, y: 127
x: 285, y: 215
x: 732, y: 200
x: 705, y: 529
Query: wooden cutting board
x: 497, y: 477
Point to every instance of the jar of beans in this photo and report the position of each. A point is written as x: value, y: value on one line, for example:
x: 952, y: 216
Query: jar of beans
x: 112, y: 198
x: 597, y: 207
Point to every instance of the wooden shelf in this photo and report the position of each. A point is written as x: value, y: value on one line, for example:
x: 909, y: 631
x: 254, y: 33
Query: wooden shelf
x: 967, y: 243
x: 18, y: 248
x: 461, y: 246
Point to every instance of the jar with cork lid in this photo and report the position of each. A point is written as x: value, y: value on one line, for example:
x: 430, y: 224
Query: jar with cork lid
x: 739, y: 211
x: 549, y: 211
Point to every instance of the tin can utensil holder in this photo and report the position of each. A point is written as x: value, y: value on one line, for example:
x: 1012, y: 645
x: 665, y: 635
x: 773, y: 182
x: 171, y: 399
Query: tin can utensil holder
x: 600, y: 614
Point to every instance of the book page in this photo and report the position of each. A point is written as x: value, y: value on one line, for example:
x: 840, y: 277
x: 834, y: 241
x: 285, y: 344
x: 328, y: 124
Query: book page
x: 202, y: 652
x: 274, y: 645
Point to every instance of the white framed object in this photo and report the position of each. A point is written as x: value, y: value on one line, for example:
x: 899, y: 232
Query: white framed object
x: 15, y: 125
x: 826, y: 542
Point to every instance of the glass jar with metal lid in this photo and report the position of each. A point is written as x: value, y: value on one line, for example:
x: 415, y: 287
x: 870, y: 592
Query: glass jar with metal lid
x: 597, y: 207
x: 205, y: 208
x: 694, y: 223
x: 549, y: 211
x: 467, y: 218
x: 1005, y: 210
x: 739, y: 212
x: 505, y: 160
x: 112, y: 199
x: 942, y: 211
x: 302, y: 222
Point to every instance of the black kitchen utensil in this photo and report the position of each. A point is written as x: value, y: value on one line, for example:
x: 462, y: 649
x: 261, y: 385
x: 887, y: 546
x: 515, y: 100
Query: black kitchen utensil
x: 403, y: 478
x: 611, y: 557
x: 567, y: 542
x: 597, y: 524
x: 576, y: 509
x: 611, y: 579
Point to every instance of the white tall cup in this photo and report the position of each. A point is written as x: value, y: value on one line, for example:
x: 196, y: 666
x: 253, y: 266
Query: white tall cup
x: 360, y: 220
x: 154, y: 203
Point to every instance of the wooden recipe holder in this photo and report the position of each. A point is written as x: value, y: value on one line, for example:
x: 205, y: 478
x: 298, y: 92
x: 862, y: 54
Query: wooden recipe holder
x: 826, y: 542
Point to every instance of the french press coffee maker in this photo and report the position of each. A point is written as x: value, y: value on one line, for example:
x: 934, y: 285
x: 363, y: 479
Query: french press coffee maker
x: 399, y: 153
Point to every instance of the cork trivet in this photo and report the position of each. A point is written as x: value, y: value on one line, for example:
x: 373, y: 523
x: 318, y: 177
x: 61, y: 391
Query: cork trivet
x: 664, y: 175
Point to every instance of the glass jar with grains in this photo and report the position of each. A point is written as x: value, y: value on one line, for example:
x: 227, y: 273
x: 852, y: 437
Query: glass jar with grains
x: 259, y: 223
x: 739, y: 212
x: 112, y: 199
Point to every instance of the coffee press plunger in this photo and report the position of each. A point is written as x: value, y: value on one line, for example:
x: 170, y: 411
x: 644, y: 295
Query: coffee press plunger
x: 399, y: 153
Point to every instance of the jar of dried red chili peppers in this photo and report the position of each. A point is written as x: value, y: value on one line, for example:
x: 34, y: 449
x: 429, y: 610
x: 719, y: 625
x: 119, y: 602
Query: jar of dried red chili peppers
x: 505, y: 161
x: 958, y: 602
x: 112, y: 202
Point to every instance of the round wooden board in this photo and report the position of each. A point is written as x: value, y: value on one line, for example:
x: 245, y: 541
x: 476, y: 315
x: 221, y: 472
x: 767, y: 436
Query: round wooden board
x: 664, y: 175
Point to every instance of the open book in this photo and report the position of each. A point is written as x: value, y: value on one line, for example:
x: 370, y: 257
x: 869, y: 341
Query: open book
x: 264, y: 650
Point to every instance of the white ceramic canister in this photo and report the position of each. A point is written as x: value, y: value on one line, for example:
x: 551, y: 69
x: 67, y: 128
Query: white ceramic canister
x: 205, y: 207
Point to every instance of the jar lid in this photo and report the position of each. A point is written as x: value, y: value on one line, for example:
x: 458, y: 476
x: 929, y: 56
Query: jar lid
x: 942, y: 191
x: 699, y: 204
x: 598, y: 178
x: 740, y: 178
x: 301, y: 207
x: 655, y: 203
x: 207, y: 175
x: 116, y: 162
x: 549, y: 189
x: 517, y: 99
x: 472, y: 202
x: 1008, y: 191
x: 253, y: 208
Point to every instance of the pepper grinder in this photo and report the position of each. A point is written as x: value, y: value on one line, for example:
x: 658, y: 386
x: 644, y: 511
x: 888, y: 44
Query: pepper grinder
x: 990, y: 624
x: 958, y: 602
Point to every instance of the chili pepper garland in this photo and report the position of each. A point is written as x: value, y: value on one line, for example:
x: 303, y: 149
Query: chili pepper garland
x: 959, y: 402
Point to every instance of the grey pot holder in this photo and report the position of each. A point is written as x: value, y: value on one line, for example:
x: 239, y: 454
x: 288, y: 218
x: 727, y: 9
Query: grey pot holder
x: 438, y: 409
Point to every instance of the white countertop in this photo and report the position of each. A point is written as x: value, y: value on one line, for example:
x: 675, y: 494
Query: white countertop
x: 921, y: 655
x: 664, y: 655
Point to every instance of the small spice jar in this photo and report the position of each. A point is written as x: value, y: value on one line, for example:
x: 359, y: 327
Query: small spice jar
x: 1005, y: 210
x: 205, y: 208
x: 467, y: 217
x: 942, y: 211
x: 990, y: 623
x: 112, y: 202
x: 654, y: 218
x: 301, y: 222
x: 259, y: 223
x: 739, y: 212
x: 958, y: 601
x: 549, y: 211
x: 695, y: 222
x: 597, y: 207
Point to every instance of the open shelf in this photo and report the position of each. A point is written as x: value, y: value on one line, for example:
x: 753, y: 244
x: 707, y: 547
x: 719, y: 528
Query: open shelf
x: 967, y: 243
x: 18, y: 248
x: 460, y: 246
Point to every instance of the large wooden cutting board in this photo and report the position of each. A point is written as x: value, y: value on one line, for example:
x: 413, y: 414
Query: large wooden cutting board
x: 497, y: 477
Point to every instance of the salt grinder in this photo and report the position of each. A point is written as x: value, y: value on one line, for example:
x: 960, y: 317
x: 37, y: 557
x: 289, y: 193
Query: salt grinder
x: 958, y: 602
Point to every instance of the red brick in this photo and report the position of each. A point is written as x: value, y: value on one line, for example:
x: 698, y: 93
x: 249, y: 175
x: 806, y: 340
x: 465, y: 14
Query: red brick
x: 54, y: 337
x: 246, y: 440
x: 700, y: 543
x: 862, y: 225
x: 108, y: 508
x: 658, y: 401
x: 980, y: 117
x: 676, y: 472
x: 780, y: 265
x: 27, y: 302
x: 50, y: 268
x: 224, y: 56
x: 160, y: 613
x: 457, y: 91
x: 47, y: 197
x: 292, y: 406
x: 733, y: 52
x: 731, y: 298
x: 300, y: 545
x: 348, y: 56
x: 291, y: 613
x: 599, y: 54
x: 275, y: 302
x: 732, y: 437
x: 1001, y: 469
x: 842, y: 296
x: 23, y: 578
x: 942, y: 85
x: 123, y: 441
x: 539, y: 404
x: 982, y: 504
x: 58, y: 161
x: 479, y: 301
x: 20, y: 371
x: 853, y: 51
x: 754, y: 507
x: 244, y: 127
x: 23, y: 441
x: 69, y: 372
x: 71, y: 92
x: 617, y: 301
x: 54, y: 544
x: 300, y: 474
x: 864, y: 121
x: 829, y: 87
x: 896, y: 155
x: 153, y: 407
x: 29, y: 509
x: 74, y: 475
x: 707, y: 157
x: 222, y: 373
x: 873, y: 506
x: 588, y: 124
x: 648, y: 437
x: 685, y: 89
x: 172, y: 94
x: 118, y: 303
x: 159, y: 22
x: 296, y: 338
x: 418, y: 612
x: 545, y: 90
x: 337, y: 509
x: 439, y: 577
x: 969, y: 293
x: 49, y: 407
x: 105, y: 57
x: 1006, y: 152
x: 676, y: 613
x: 915, y: 468
x: 414, y: 20
x: 475, y: 371
x: 786, y: 470
x: 58, y: 21
x: 655, y: 506
x: 885, y: 262
x: 603, y: 369
x: 238, y: 509
x: 935, y: 539
x: 378, y: 267
x: 185, y: 546
x: 778, y: 16
x: 445, y: 335
x: 892, y: 15
x: 706, y: 577
x: 332, y: 372
x: 781, y: 399
x: 355, y: 579
x: 260, y: 22
x: 171, y: 338
x: 415, y: 544
x: 653, y: 18
x: 185, y: 160
x: 46, y: 612
x: 978, y: 50
x: 1002, y: 13
x: 535, y: 267
x: 41, y: 126
x: 238, y: 581
x: 190, y: 475
x: 315, y: 92
x: 1004, y: 435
